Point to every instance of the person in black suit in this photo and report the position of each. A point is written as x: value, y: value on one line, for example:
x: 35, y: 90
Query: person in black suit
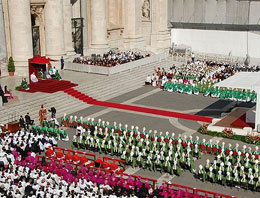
x: 21, y: 122
x: 28, y: 120
x: 53, y: 112
x: 4, y: 98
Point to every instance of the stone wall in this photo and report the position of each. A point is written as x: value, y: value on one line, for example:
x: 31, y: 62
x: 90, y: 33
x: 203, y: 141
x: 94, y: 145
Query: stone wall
x: 234, y: 43
x: 214, y: 11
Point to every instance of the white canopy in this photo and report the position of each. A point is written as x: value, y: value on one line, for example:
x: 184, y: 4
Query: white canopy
x: 243, y: 80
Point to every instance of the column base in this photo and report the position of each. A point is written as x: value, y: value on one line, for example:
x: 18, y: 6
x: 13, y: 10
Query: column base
x: 55, y: 57
x: 70, y: 53
x: 85, y: 51
x: 161, y: 41
x: 98, y: 49
x: 21, y: 69
x: 4, y: 71
x: 134, y: 43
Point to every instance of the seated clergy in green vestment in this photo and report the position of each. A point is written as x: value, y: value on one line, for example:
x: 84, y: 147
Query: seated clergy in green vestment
x: 25, y: 84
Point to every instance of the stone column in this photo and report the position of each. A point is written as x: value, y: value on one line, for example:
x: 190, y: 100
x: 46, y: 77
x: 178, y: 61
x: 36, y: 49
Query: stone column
x: 54, y: 27
x: 231, y: 11
x: 2, y: 34
x: 67, y: 13
x: 199, y: 14
x: 210, y: 11
x: 160, y: 38
x: 99, y: 42
x: 221, y: 12
x: 85, y: 26
x: 21, y: 34
x: 178, y: 10
x: 133, y: 25
x: 188, y: 11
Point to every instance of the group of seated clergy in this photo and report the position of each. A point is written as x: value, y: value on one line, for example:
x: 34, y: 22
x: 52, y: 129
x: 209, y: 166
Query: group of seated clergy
x: 235, y: 170
x: 25, y: 174
x: 111, y: 58
x: 200, y: 77
x: 141, y: 149
x: 52, y: 74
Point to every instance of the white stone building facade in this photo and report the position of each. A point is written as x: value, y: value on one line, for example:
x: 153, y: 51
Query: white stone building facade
x: 45, y: 27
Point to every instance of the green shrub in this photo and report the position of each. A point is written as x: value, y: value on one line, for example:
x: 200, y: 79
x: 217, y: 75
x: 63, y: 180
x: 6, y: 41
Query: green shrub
x: 11, y: 67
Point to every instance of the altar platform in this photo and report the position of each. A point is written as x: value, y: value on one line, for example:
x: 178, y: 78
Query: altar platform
x: 49, y: 86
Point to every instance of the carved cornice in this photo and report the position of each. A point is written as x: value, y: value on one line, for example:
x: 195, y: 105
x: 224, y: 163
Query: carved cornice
x: 38, y: 2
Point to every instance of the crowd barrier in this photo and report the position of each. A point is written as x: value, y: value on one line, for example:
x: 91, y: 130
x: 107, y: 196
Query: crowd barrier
x: 92, y: 156
x: 65, y: 151
x: 112, y: 70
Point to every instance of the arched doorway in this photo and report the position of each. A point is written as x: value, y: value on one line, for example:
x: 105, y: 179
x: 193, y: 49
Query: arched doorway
x: 35, y: 36
x: 38, y: 30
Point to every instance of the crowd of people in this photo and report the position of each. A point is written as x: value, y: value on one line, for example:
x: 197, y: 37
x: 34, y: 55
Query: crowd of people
x: 24, y: 173
x: 137, y: 148
x: 146, y: 150
x: 200, y: 77
x: 237, y: 170
x: 111, y: 59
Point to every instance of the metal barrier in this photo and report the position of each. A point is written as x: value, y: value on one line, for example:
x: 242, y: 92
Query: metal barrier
x: 65, y: 151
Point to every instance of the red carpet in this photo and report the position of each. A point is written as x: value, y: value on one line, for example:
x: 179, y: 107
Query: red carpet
x: 93, y: 101
x: 241, y: 123
x: 49, y: 86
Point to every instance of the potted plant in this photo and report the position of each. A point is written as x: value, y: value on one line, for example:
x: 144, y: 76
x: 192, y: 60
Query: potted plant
x: 11, y: 67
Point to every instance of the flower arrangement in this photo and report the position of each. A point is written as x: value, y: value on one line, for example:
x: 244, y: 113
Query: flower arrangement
x: 228, y: 133
x: 204, y: 128
x: 253, y: 139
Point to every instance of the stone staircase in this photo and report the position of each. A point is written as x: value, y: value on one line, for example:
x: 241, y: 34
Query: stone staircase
x: 123, y: 82
x: 105, y: 89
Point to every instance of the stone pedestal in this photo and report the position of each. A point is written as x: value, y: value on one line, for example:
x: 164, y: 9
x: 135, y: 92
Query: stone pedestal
x: 67, y: 14
x: 21, y: 34
x: 133, y: 38
x: 54, y: 27
x: 99, y: 42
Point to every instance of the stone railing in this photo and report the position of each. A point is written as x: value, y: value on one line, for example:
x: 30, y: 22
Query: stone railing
x: 113, y: 70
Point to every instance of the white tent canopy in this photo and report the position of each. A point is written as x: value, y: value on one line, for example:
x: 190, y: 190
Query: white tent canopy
x: 242, y: 80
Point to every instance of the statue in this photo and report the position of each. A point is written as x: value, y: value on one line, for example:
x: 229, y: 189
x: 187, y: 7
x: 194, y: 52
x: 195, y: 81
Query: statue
x: 146, y: 9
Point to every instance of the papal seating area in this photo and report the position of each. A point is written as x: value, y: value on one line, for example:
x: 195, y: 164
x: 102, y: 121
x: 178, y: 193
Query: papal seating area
x: 111, y: 58
x: 66, y: 173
